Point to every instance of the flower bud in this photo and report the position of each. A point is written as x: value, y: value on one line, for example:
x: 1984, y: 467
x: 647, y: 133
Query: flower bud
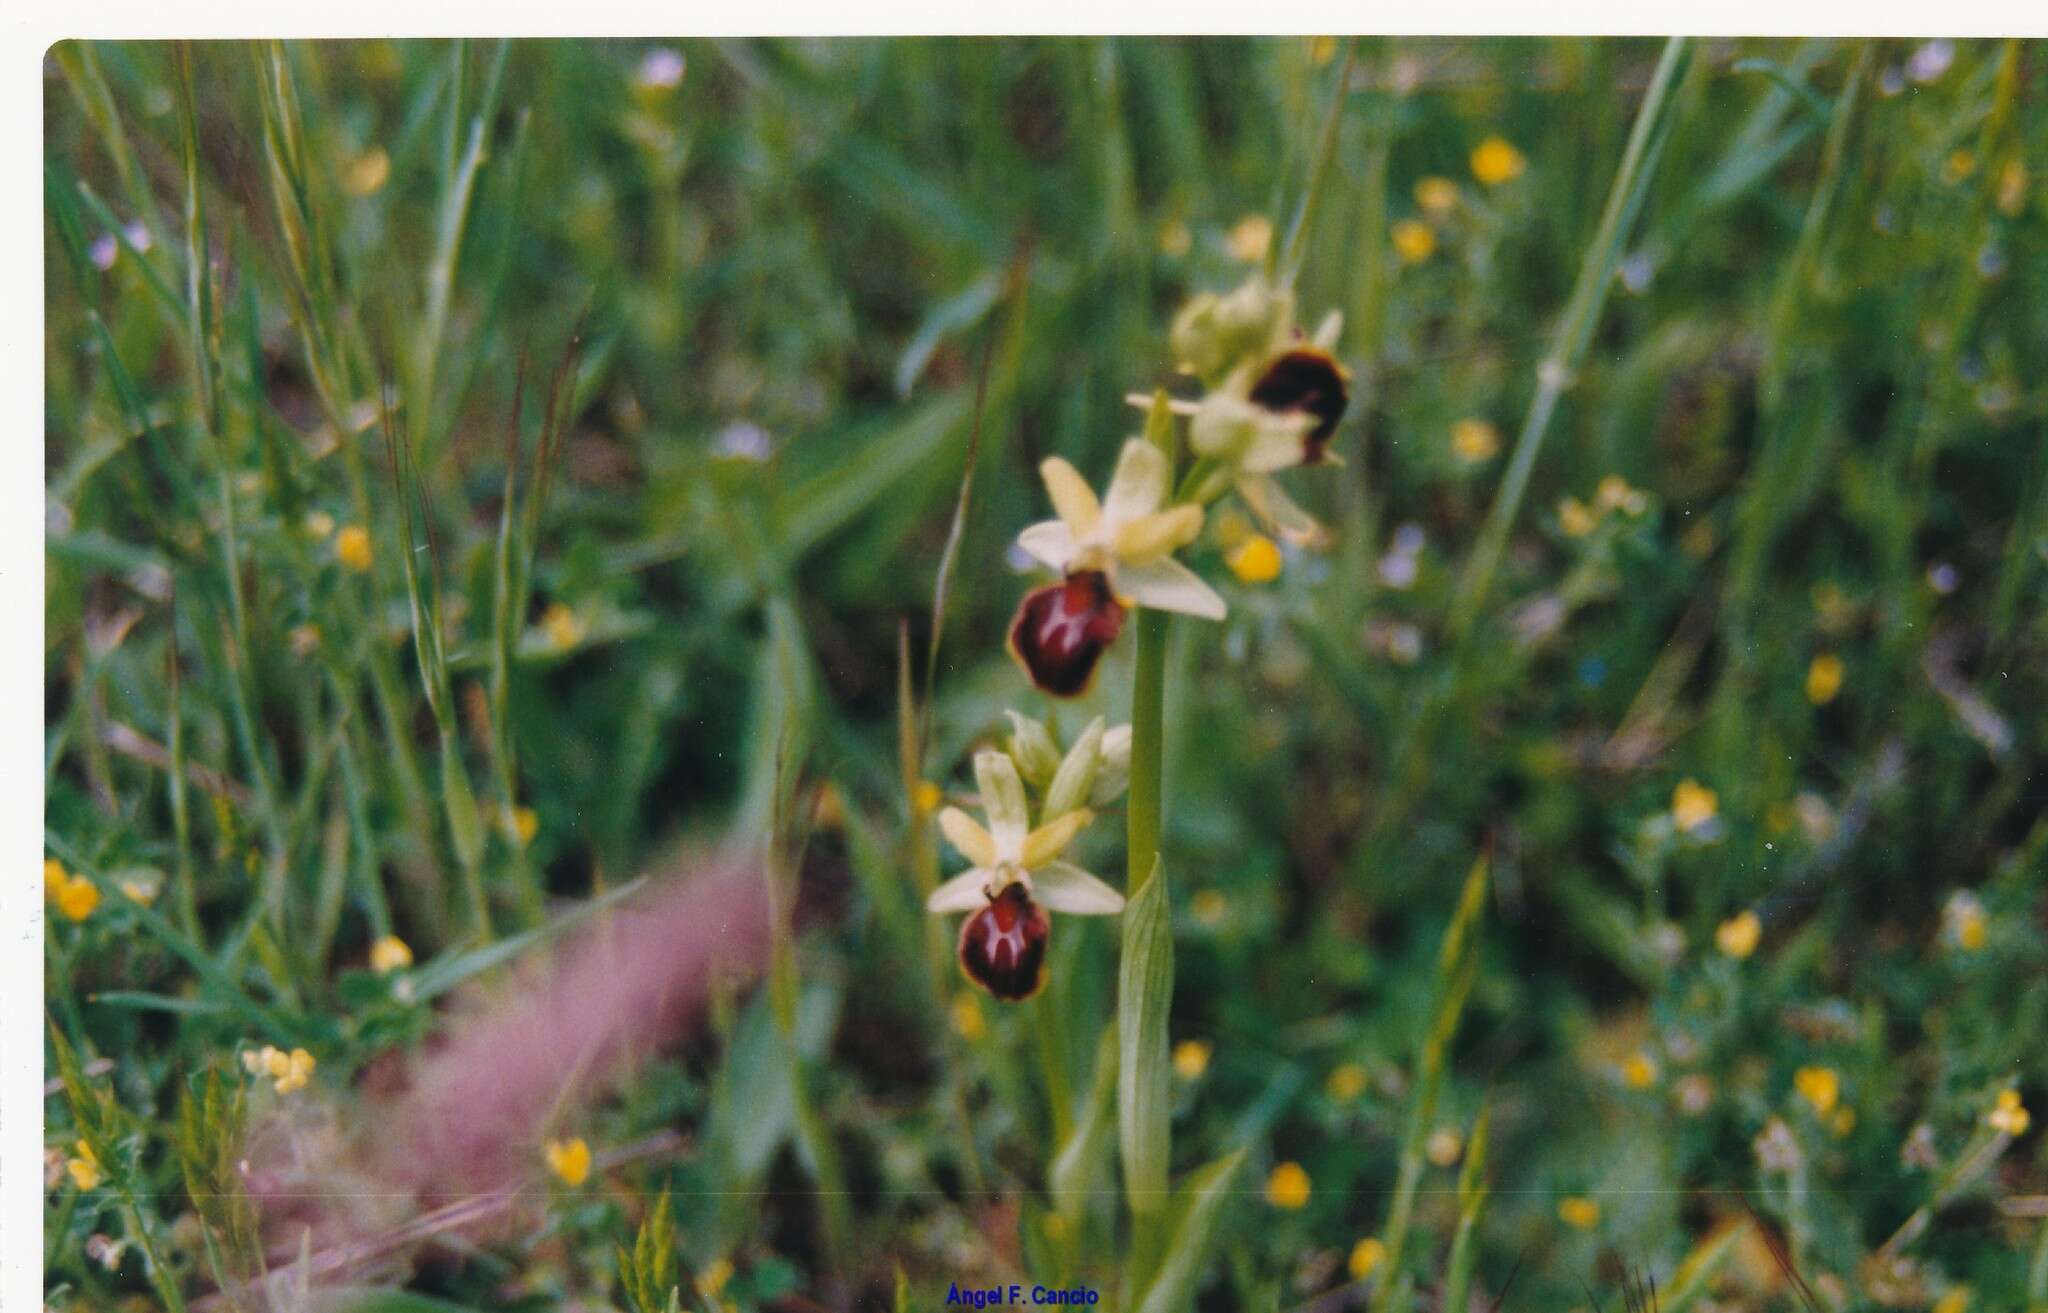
x: 1032, y: 748
x: 1113, y: 774
x: 1212, y: 334
x: 1075, y: 779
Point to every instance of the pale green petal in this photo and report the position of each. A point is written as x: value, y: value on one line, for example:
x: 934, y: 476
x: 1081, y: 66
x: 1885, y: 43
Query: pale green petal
x: 1002, y: 797
x: 1170, y: 586
x: 965, y: 892
x: 1139, y: 484
x: 1278, y: 512
x: 1064, y: 887
x: 1075, y: 777
x: 1071, y: 495
x: 967, y: 836
x: 1049, y: 541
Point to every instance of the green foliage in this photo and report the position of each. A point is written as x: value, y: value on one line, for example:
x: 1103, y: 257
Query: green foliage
x: 648, y: 1269
x: 654, y: 394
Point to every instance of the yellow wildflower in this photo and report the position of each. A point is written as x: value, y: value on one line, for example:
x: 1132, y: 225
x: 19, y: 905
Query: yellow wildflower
x: 1823, y: 679
x: 569, y: 1160
x: 1494, y: 161
x: 1965, y: 920
x: 2012, y: 187
x: 1693, y: 804
x: 967, y: 1019
x: 389, y: 954
x: 1443, y: 1146
x: 925, y: 796
x: 525, y: 824
x: 1288, y: 1187
x: 1175, y: 239
x: 1346, y: 1082
x: 1579, y: 1213
x: 75, y: 895
x: 1575, y: 519
x: 1366, y: 1257
x: 1436, y: 195
x: 1191, y: 1058
x: 1414, y: 241
x: 1615, y: 494
x: 1958, y: 166
x: 84, y: 1167
x: 1819, y: 1086
x: 1321, y: 50
x: 367, y: 173
x: 561, y: 625
x: 1475, y: 440
x: 1250, y: 238
x: 1256, y: 560
x: 289, y: 1071
x: 1639, y: 1071
x: 352, y: 547
x: 2009, y: 1114
x: 1955, y: 1301
x: 1738, y: 935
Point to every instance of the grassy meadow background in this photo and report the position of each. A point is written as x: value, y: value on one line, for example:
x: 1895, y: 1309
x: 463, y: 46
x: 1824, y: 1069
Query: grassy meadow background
x: 738, y: 296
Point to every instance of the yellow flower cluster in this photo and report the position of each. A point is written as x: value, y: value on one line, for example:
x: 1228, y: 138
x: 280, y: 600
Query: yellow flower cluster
x: 390, y: 954
x: 1366, y: 1257
x: 1495, y: 161
x: 1578, y: 519
x: 1738, y: 935
x: 73, y: 895
x: 1256, y: 560
x: 1191, y: 1058
x: 1288, y: 1187
x: 352, y: 548
x: 1475, y: 440
x: 2008, y: 1114
x: 1693, y: 805
x: 1819, y: 1086
x: 1579, y: 1213
x: 84, y: 1167
x: 569, y: 1160
x: 1823, y: 679
x: 287, y: 1071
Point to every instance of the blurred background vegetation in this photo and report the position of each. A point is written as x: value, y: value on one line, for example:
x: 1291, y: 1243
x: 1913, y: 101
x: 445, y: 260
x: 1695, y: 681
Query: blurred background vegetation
x: 1767, y: 639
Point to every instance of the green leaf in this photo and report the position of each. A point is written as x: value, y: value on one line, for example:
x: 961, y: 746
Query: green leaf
x: 1073, y: 1166
x: 1196, y: 1210
x: 955, y: 314
x: 1144, y: 997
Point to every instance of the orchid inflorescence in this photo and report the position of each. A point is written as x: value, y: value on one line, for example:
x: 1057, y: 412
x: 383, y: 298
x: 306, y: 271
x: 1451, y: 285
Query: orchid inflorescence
x: 1272, y: 400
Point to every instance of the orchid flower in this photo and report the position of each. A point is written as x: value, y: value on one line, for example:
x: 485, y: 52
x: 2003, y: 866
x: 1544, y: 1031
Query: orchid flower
x: 1015, y: 878
x: 1114, y: 552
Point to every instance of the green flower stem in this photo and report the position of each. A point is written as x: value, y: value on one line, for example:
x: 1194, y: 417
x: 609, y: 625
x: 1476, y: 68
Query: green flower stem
x: 1148, y: 717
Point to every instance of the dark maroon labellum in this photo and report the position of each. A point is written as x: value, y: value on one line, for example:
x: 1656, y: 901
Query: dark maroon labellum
x: 1062, y: 629
x: 1306, y: 380
x: 1002, y: 947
